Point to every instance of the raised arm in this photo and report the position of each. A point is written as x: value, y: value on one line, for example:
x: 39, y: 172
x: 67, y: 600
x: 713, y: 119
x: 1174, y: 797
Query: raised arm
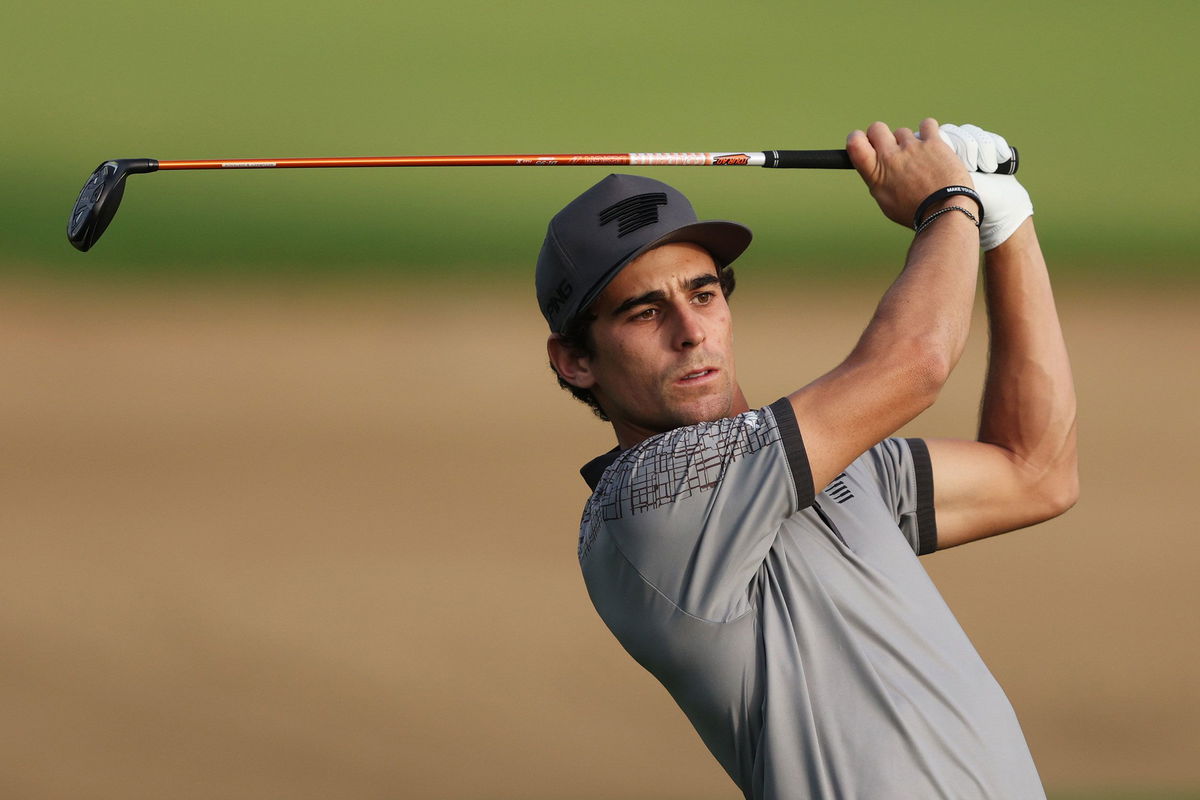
x: 1022, y: 470
x: 920, y: 327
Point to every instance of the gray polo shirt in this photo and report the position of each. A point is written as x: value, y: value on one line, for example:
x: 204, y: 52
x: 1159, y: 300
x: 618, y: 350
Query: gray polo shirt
x: 799, y: 634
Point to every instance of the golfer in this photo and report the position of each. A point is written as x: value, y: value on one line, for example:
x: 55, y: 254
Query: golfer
x: 761, y: 561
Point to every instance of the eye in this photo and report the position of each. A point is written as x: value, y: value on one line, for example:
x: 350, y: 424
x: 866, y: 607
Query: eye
x: 646, y: 314
x: 704, y: 298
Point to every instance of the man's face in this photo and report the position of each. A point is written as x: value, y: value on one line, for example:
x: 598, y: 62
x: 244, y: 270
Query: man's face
x: 663, y: 343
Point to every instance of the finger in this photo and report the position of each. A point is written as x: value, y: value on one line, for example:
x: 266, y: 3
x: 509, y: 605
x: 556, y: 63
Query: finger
x: 1003, y: 150
x: 882, y: 139
x: 953, y: 135
x: 985, y: 147
x: 949, y: 134
x: 862, y: 154
x: 965, y: 146
x: 929, y: 130
x: 905, y: 136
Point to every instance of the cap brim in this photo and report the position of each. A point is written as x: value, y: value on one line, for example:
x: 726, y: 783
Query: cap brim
x: 723, y: 239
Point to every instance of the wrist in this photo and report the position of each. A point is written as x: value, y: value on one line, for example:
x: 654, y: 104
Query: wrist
x: 1021, y: 240
x: 965, y: 202
x: 948, y: 197
x: 950, y: 209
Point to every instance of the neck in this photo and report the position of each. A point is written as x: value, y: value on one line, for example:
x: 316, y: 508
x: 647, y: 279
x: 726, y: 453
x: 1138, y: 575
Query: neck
x: 630, y: 433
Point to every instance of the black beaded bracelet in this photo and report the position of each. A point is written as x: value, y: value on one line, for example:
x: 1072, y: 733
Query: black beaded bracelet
x: 925, y: 223
x: 942, y: 194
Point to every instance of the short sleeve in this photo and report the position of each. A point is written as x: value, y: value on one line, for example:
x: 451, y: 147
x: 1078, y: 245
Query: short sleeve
x: 902, y: 471
x: 695, y: 510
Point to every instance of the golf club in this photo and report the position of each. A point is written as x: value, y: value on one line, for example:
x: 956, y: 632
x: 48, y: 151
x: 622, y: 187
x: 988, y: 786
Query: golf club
x: 101, y: 195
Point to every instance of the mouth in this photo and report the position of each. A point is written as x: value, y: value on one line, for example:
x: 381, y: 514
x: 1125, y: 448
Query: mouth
x: 698, y: 376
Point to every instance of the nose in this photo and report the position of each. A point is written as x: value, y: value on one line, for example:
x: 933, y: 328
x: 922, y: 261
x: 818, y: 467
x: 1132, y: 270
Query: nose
x: 690, y: 330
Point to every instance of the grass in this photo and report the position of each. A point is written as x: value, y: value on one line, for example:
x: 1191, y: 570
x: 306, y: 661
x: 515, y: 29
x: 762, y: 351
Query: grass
x: 1091, y: 99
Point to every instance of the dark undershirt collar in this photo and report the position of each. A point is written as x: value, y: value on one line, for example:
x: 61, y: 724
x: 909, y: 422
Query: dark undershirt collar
x: 594, y: 469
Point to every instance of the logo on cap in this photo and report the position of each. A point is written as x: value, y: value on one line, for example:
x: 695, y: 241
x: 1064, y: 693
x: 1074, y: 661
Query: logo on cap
x: 562, y: 293
x: 634, y: 212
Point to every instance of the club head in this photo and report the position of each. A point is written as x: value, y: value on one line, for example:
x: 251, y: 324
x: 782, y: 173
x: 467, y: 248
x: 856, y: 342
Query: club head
x: 99, y: 198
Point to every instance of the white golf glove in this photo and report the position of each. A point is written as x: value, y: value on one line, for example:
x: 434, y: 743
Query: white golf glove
x: 980, y: 150
x: 1006, y: 203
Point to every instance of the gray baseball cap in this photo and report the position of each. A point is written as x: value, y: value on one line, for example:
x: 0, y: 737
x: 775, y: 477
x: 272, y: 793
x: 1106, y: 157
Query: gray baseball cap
x: 609, y: 225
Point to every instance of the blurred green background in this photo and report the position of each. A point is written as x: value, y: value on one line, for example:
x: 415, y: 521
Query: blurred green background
x: 1094, y: 94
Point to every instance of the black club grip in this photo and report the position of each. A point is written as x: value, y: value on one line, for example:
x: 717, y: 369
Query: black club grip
x: 840, y: 159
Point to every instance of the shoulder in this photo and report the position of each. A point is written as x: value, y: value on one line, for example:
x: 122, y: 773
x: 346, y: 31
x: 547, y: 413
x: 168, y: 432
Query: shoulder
x: 692, y: 458
x: 736, y: 460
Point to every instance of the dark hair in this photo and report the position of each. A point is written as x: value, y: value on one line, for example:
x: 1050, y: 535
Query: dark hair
x: 577, y: 336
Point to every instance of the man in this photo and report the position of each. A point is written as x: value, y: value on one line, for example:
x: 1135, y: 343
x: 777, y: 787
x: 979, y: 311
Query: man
x: 762, y: 562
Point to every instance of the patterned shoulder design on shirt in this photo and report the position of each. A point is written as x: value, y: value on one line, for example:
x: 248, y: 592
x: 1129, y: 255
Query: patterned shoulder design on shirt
x: 674, y: 465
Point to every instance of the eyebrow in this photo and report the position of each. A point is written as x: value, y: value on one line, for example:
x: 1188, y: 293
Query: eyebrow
x: 698, y: 282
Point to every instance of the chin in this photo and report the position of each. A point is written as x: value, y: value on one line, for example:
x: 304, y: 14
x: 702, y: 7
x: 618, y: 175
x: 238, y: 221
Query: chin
x: 710, y: 410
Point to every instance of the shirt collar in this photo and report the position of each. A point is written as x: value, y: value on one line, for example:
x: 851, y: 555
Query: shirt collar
x: 594, y: 469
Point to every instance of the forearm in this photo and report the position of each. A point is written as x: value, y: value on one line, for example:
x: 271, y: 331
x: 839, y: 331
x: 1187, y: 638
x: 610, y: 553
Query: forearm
x: 1022, y: 469
x: 1029, y: 397
x: 904, y: 356
x: 930, y: 303
x: 919, y: 327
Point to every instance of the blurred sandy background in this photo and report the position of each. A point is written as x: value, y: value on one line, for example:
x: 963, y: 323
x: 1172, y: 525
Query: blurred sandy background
x: 320, y: 542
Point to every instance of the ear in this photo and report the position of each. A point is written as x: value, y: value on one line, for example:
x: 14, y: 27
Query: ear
x: 573, y: 366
